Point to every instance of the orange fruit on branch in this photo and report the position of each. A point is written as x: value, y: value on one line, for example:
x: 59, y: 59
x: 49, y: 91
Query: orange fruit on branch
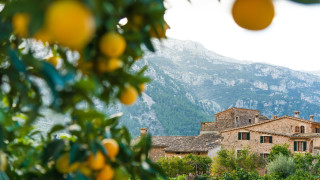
x: 111, y: 147
x: 97, y: 161
x: 129, y: 95
x: 20, y: 23
x: 63, y: 166
x: 159, y: 30
x: 253, y: 14
x: 106, y: 173
x: 109, y: 65
x: 70, y: 23
x: 112, y: 44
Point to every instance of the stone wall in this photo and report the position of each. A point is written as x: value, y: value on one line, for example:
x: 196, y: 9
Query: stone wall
x: 183, y: 154
x: 246, y: 117
x: 230, y: 141
x: 231, y: 118
x: 282, y: 126
x: 156, y: 153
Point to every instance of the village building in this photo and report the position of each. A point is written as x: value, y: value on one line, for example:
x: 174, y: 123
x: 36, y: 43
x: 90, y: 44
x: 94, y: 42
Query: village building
x: 302, y: 135
x: 238, y: 129
x: 205, y: 144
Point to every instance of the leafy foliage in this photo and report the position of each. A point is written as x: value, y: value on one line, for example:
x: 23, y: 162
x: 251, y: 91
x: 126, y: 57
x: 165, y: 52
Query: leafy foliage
x: 227, y: 162
x: 30, y: 84
x: 279, y: 149
x: 282, y: 165
x: 196, y: 165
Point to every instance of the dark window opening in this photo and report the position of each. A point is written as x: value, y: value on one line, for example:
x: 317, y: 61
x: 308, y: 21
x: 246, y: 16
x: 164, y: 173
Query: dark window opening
x: 300, y: 146
x: 317, y: 130
x: 250, y: 121
x: 264, y: 156
x: 302, y: 129
x: 265, y: 139
x: 243, y: 135
x: 178, y: 152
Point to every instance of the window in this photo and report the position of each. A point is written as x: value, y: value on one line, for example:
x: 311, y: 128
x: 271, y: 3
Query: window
x: 300, y: 146
x: 297, y: 129
x: 237, y: 119
x: 265, y: 139
x: 250, y: 121
x: 264, y: 156
x: 178, y: 152
x: 302, y: 129
x: 317, y: 130
x: 243, y: 135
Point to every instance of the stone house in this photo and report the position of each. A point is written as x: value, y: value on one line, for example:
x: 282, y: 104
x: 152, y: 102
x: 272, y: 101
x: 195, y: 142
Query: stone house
x: 237, y: 129
x: 302, y: 135
x: 205, y: 144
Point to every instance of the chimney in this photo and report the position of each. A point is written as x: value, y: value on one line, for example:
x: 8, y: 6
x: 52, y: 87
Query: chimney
x: 311, y: 117
x: 143, y: 131
x: 296, y: 114
x: 256, y: 118
x: 274, y: 117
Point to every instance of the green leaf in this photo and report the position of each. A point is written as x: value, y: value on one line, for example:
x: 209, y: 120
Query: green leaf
x: 54, y: 129
x: 52, y: 150
x: 306, y: 1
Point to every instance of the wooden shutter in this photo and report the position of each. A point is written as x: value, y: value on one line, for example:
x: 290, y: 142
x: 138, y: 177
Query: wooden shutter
x: 239, y: 135
x: 270, y: 139
x: 248, y: 135
x: 304, y: 146
x: 261, y: 139
x: 295, y: 146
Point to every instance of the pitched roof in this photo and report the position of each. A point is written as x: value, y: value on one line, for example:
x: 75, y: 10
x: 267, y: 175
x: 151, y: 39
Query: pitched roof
x: 236, y: 108
x: 272, y: 120
x: 305, y: 135
x: 200, y: 143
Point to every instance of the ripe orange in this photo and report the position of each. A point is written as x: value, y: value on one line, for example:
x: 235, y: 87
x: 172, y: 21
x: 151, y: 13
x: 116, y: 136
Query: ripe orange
x: 112, y: 44
x: 253, y: 14
x: 159, y: 31
x: 84, y: 169
x: 106, y: 173
x: 42, y: 35
x: 20, y: 23
x: 109, y: 65
x: 111, y: 147
x: 3, y: 161
x: 63, y: 166
x: 96, y: 162
x: 54, y: 60
x: 70, y: 23
x: 142, y: 87
x: 129, y: 95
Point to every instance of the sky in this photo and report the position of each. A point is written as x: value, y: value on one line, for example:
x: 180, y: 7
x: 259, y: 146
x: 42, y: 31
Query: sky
x: 292, y: 40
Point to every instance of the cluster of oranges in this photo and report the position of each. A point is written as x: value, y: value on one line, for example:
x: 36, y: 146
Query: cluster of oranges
x: 72, y: 24
x: 253, y: 14
x: 95, y: 164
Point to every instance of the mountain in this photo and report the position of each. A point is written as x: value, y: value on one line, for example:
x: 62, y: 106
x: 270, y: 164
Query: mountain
x: 190, y: 84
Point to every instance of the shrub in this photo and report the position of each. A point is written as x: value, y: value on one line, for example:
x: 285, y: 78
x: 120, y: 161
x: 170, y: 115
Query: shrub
x: 193, y: 164
x: 227, y: 162
x: 279, y: 149
x: 282, y: 166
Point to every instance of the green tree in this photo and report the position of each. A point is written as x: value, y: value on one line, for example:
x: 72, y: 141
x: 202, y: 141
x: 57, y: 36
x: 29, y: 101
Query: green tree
x: 282, y: 166
x: 227, y: 162
x: 279, y: 149
x: 92, y: 46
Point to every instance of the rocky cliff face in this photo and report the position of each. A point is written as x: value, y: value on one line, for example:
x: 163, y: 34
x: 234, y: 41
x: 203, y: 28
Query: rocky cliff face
x: 190, y: 84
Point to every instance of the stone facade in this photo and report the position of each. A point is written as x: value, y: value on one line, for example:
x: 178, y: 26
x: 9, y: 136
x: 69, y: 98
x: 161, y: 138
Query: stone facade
x: 155, y: 153
x: 299, y: 133
x: 183, y: 154
x: 231, y: 118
